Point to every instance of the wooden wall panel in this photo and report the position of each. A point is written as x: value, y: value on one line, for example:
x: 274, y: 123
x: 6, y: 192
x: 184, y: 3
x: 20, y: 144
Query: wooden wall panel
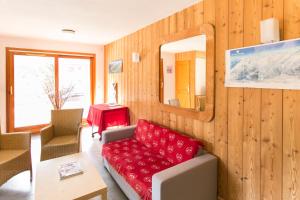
x: 252, y: 108
x: 221, y: 134
x: 291, y: 114
x: 271, y: 124
x: 208, y: 127
x: 255, y: 133
x: 235, y: 108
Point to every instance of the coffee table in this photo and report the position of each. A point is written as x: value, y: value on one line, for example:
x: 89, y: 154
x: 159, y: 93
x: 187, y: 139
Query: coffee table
x: 48, y: 185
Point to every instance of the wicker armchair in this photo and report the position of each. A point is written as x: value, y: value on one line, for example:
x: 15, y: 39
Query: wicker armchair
x: 62, y: 136
x: 15, y: 155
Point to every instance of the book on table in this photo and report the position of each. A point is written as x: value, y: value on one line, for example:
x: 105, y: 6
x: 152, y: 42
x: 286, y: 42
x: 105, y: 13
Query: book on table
x: 69, y: 169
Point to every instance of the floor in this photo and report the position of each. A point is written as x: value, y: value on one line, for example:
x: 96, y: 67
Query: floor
x: 20, y: 187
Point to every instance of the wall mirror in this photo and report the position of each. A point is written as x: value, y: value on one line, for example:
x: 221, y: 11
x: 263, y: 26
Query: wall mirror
x: 186, y: 73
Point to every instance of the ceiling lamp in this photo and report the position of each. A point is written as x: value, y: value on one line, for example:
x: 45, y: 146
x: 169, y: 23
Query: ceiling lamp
x: 68, y: 31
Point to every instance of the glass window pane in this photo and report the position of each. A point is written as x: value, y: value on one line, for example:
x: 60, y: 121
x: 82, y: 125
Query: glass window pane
x: 75, y: 73
x: 31, y: 75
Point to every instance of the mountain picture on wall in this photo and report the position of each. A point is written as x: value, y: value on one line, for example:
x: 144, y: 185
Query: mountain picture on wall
x: 275, y: 65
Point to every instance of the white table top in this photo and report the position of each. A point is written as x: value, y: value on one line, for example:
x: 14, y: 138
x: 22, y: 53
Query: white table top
x: 49, y: 186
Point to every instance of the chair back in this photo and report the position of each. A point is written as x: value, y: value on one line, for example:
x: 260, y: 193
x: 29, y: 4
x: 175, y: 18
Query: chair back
x: 174, y: 102
x: 67, y: 121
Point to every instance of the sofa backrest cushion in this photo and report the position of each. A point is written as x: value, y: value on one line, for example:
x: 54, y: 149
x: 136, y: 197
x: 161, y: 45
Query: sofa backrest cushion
x: 180, y: 148
x: 172, y: 145
x: 142, y: 133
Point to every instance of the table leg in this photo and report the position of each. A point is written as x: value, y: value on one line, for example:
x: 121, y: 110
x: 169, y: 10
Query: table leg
x: 104, y: 195
x: 92, y: 130
x: 93, y: 133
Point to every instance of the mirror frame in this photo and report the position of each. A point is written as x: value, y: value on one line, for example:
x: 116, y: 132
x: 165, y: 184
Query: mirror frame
x: 208, y: 114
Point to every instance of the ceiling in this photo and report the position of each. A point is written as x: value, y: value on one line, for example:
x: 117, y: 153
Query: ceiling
x: 95, y: 21
x: 197, y: 43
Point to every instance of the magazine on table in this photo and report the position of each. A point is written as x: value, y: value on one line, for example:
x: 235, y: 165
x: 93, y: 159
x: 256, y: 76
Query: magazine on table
x: 69, y: 169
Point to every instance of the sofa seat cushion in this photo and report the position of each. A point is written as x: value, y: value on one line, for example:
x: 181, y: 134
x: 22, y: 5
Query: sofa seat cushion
x: 136, y: 163
x: 62, y: 140
x: 172, y: 145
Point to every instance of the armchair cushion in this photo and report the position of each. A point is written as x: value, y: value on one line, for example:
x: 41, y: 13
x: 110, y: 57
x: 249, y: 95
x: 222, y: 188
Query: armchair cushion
x: 8, y: 155
x: 62, y: 140
x: 57, y: 148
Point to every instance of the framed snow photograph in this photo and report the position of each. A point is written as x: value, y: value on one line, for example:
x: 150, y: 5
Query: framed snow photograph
x: 275, y: 65
x: 115, y: 66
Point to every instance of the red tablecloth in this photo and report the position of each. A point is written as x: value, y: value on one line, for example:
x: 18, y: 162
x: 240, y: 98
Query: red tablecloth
x: 105, y: 115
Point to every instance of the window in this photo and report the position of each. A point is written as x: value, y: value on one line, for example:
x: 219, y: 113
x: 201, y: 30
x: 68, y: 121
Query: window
x: 76, y: 73
x: 32, y: 73
x: 31, y: 104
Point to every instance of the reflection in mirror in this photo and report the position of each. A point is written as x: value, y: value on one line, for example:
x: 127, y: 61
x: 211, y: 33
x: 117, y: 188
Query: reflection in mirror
x: 183, y: 73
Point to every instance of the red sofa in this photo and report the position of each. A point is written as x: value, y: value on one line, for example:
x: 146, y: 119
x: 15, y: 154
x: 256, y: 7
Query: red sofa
x: 151, y: 149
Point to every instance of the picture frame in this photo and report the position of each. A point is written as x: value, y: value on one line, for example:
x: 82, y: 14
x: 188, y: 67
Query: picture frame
x: 116, y: 66
x: 169, y: 69
x: 272, y: 66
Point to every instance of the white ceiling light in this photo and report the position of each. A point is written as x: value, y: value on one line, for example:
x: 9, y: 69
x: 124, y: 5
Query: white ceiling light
x: 67, y: 34
x: 68, y: 31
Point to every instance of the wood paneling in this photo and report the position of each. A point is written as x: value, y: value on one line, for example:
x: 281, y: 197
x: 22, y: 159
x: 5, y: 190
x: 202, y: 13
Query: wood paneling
x: 291, y: 114
x: 235, y: 107
x: 271, y: 124
x: 255, y: 132
x: 221, y: 119
x: 252, y: 108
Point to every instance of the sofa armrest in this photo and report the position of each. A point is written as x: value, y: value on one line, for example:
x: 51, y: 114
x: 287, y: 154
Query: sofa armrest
x: 47, y: 134
x: 195, y: 179
x: 117, y: 134
x: 13, y: 141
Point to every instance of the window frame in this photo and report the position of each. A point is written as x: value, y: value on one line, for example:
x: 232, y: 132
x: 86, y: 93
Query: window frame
x: 11, y: 52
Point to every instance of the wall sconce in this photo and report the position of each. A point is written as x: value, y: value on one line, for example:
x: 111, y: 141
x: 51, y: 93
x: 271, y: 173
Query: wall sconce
x: 269, y: 31
x: 136, y: 57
